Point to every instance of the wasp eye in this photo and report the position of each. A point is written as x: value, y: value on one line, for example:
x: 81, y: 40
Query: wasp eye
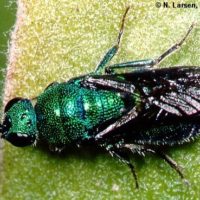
x: 7, y: 124
x: 11, y: 103
x: 20, y: 140
x: 4, y: 128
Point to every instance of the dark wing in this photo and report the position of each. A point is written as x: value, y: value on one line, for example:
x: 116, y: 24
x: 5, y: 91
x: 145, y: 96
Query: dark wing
x: 169, y: 106
x: 173, y: 114
x: 175, y: 90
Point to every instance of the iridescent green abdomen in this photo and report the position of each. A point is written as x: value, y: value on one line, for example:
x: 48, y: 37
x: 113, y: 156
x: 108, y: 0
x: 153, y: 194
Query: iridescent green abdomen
x: 67, y: 112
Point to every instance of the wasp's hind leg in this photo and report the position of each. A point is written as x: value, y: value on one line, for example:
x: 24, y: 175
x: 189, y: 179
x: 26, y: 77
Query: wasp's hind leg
x: 172, y: 163
x: 142, y: 64
x: 173, y: 48
x: 111, y: 52
x: 142, y: 150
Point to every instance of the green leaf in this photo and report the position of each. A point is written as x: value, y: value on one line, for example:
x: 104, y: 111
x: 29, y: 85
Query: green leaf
x: 57, y: 40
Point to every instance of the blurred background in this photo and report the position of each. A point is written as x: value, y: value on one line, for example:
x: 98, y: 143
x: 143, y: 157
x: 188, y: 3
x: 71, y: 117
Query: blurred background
x: 7, y: 19
x: 66, y: 38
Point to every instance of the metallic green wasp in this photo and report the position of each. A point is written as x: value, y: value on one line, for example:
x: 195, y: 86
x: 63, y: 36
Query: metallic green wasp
x: 140, y: 111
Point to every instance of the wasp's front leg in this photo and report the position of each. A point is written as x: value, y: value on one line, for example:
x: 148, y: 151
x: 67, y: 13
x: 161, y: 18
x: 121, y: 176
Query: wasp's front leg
x: 111, y: 52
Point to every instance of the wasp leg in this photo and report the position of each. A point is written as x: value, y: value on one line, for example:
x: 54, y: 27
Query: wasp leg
x: 171, y: 162
x: 149, y: 62
x: 111, y: 52
x: 132, y: 168
x: 142, y: 64
x: 174, y: 47
x: 125, y: 159
x: 140, y: 149
x: 119, y: 123
x: 129, y: 164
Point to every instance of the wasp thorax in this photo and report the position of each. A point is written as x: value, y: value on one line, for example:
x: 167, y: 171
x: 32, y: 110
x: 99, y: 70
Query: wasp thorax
x: 19, y: 124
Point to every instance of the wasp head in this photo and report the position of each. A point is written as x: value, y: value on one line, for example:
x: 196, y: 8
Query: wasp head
x: 19, y: 123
